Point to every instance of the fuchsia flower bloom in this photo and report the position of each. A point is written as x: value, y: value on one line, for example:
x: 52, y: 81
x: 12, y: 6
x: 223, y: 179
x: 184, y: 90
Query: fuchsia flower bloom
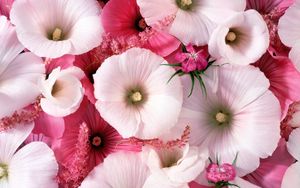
x: 192, y: 60
x: 284, y: 79
x: 5, y: 6
x: 224, y: 172
x: 122, y: 18
x: 102, y: 139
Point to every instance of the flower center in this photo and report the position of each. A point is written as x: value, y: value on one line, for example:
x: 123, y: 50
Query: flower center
x: 57, y: 87
x: 3, y: 171
x: 96, y: 141
x: 184, y: 4
x: 57, y: 34
x: 140, y: 24
x: 221, y: 117
x: 231, y: 37
x: 136, y: 97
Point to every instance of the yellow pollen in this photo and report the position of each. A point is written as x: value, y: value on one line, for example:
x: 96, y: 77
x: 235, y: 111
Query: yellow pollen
x: 186, y: 2
x: 57, y: 34
x: 221, y: 118
x: 231, y: 36
x: 136, y: 97
x: 3, y: 171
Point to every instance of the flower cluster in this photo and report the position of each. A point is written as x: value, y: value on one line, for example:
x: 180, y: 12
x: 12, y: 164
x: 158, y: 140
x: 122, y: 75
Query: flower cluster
x: 149, y: 93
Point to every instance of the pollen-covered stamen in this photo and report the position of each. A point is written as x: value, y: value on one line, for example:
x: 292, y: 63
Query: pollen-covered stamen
x: 136, y: 97
x: 57, y: 34
x: 96, y: 141
x: 221, y: 117
x: 184, y: 4
x: 231, y: 36
x: 142, y: 23
x: 3, y: 171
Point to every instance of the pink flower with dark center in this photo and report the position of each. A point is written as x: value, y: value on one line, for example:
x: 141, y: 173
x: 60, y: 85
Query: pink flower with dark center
x: 102, y: 139
x: 192, y: 59
x: 217, y: 173
x: 122, y: 18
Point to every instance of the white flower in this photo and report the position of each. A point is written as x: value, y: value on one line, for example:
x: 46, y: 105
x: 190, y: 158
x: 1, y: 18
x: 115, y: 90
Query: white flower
x: 238, y: 115
x: 289, y: 32
x: 194, y: 19
x: 62, y: 91
x: 19, y: 73
x: 53, y: 28
x: 32, y: 166
x: 241, y: 40
x: 134, y: 96
x: 292, y: 175
x: 174, y: 167
x: 119, y: 170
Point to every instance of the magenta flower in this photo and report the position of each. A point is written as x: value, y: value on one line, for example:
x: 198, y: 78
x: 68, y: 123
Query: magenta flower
x: 192, y: 59
x: 216, y: 173
x: 122, y: 18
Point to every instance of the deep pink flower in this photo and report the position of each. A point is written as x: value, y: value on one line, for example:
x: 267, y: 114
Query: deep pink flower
x: 272, y: 10
x: 271, y: 170
x: 122, y: 18
x: 216, y: 173
x: 102, y: 139
x: 5, y: 6
x: 192, y: 59
x: 283, y: 77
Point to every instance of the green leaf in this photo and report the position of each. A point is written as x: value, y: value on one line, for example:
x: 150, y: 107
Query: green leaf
x: 176, y: 73
x: 193, y: 84
x: 173, y: 65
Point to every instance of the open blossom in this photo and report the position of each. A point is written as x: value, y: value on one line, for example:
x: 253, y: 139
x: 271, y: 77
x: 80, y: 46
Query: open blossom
x: 60, y: 30
x: 174, y: 167
x: 121, y: 169
x: 243, y: 39
x: 227, y: 118
x: 291, y: 176
x: 19, y: 73
x: 122, y: 18
x: 192, y: 60
x: 289, y: 32
x: 133, y: 95
x: 191, y: 21
x: 32, y: 166
x: 62, y: 91
x: 284, y: 79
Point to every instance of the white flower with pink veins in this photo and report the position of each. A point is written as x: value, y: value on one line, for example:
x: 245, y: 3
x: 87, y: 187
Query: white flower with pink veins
x: 242, y: 40
x: 191, y: 21
x: 236, y: 115
x: 53, y: 28
x: 32, y: 166
x: 289, y: 31
x: 19, y: 72
x: 134, y: 96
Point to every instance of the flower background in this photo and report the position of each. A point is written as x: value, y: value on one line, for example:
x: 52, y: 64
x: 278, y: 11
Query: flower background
x: 149, y: 93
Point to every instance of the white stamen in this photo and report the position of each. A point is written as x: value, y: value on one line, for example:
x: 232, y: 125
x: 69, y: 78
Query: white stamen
x: 136, y: 97
x: 231, y: 36
x: 57, y: 34
x: 221, y: 118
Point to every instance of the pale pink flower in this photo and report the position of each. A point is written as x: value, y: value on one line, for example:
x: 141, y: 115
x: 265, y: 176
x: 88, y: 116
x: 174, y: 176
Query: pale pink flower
x: 289, y: 32
x: 291, y: 176
x: 67, y: 27
x: 122, y: 169
x: 191, y: 21
x: 32, y: 166
x: 272, y: 10
x: 227, y: 118
x: 19, y: 73
x: 173, y: 167
x: 243, y: 39
x: 62, y: 91
x: 133, y: 95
